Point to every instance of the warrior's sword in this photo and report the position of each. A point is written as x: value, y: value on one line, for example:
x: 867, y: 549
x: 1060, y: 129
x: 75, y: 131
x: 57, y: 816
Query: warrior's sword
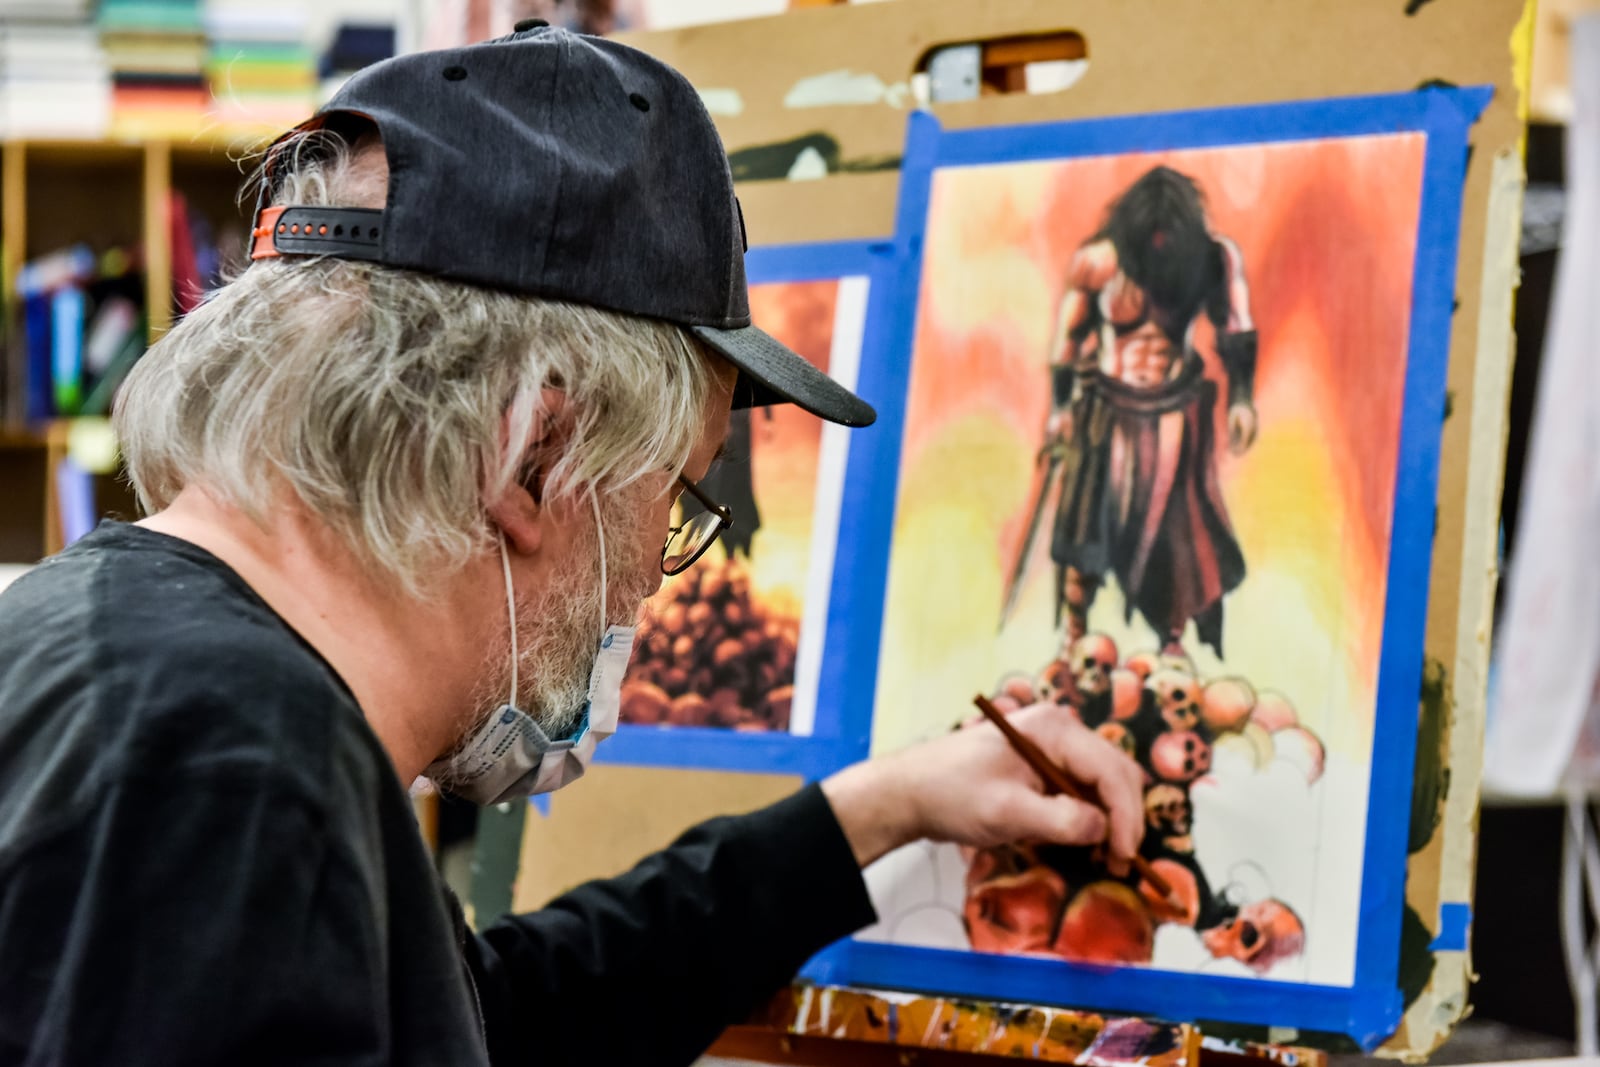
x: 1053, y: 453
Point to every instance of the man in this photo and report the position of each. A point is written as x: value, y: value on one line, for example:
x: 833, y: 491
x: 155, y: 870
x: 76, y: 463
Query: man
x: 409, y: 478
x: 1131, y: 432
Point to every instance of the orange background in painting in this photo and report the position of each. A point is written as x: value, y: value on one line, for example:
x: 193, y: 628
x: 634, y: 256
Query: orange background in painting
x: 1328, y: 232
x: 784, y: 443
x: 785, y: 439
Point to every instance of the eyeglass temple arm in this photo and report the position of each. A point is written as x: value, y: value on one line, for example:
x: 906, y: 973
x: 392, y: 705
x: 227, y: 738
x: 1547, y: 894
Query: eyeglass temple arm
x: 705, y: 501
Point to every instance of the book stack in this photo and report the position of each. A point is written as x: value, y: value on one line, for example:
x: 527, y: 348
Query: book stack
x: 53, y: 77
x: 355, y: 45
x: 156, y: 50
x: 262, y: 71
x: 83, y: 327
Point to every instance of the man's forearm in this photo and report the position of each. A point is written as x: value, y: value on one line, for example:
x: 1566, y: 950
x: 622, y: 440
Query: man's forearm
x: 872, y: 802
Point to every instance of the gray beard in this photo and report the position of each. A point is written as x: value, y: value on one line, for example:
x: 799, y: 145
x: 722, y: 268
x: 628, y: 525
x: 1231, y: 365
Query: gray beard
x: 559, y: 631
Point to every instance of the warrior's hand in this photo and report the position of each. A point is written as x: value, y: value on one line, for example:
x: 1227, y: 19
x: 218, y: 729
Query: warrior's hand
x: 1242, y: 427
x: 1057, y: 428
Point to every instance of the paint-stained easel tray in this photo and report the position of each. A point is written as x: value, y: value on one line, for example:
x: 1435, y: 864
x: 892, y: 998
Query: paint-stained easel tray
x: 837, y: 1026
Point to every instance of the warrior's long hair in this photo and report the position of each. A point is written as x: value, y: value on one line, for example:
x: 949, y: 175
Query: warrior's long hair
x: 1158, y: 227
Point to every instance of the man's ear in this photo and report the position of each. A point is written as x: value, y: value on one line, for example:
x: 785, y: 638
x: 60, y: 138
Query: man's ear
x: 519, y: 516
x: 518, y: 512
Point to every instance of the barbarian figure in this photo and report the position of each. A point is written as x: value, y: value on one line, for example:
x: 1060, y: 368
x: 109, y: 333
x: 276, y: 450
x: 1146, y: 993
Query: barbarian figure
x: 1130, y: 437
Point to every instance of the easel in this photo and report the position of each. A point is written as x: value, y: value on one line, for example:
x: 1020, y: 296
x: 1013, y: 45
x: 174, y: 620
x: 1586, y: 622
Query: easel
x: 1143, y: 57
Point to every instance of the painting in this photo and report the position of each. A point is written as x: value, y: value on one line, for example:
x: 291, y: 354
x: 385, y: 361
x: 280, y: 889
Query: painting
x: 1166, y: 460
x: 735, y: 646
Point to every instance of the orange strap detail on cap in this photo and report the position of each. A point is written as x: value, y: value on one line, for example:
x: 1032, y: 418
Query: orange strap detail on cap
x: 261, y: 246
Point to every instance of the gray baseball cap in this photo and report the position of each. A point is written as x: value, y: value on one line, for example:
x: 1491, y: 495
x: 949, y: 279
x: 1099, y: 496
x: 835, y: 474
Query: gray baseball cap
x: 560, y: 166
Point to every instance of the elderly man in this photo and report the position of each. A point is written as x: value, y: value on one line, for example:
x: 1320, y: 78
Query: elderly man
x: 409, y: 478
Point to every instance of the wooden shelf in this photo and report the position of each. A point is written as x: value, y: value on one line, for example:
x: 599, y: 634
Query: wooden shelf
x: 106, y: 192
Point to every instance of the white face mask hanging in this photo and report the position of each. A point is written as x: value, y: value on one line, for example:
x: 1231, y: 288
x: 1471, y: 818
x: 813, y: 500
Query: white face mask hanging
x: 511, y: 756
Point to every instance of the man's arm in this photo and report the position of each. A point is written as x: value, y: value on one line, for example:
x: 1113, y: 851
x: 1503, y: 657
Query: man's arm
x: 648, y: 968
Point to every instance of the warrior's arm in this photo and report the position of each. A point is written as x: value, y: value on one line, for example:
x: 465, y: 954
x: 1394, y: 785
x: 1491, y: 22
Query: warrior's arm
x: 1073, y: 329
x: 1236, y: 330
x: 1076, y: 318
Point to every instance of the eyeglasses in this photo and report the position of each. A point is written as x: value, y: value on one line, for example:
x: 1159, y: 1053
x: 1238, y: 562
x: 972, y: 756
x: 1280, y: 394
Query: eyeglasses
x: 689, y: 540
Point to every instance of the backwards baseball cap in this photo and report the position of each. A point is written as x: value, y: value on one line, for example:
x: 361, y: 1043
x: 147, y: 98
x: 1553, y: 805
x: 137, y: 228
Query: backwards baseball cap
x: 560, y: 166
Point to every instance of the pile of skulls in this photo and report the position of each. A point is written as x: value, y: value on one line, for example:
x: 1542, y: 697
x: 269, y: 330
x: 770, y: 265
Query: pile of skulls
x: 709, y: 653
x: 1157, y: 710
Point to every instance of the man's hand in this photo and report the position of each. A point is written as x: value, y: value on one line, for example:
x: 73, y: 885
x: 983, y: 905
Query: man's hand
x: 1241, y: 427
x: 971, y: 787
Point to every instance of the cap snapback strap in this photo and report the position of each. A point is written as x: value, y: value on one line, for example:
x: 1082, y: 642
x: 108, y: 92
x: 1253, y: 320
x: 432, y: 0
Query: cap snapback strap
x: 346, y: 232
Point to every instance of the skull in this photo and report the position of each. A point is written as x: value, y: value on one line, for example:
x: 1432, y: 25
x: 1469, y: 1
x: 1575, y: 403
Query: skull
x: 1093, y: 648
x: 1274, y: 712
x: 1182, y: 906
x: 1092, y: 657
x: 1180, y: 756
x: 1127, y: 694
x: 1019, y: 687
x: 1178, y: 696
x: 1012, y: 900
x: 1226, y: 704
x: 1107, y: 922
x: 1118, y: 735
x: 1261, y: 935
x: 1092, y: 681
x: 1144, y: 664
x: 1167, y: 811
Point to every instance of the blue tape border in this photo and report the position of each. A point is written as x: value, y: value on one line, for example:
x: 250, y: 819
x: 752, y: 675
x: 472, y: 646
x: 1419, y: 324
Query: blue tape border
x: 1370, y: 1008
x: 841, y: 732
x: 1455, y: 920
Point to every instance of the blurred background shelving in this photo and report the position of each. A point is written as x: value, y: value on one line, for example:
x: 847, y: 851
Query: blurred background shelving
x: 118, y: 229
x: 126, y: 130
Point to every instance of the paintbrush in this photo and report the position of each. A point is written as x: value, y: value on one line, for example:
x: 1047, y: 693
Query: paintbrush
x: 1056, y: 781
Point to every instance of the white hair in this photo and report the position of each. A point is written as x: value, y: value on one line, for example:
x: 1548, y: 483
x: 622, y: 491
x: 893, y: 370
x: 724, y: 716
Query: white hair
x: 384, y: 399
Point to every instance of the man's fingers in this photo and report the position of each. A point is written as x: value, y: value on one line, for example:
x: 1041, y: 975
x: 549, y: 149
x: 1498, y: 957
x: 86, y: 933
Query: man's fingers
x: 1091, y: 759
x: 1058, y: 819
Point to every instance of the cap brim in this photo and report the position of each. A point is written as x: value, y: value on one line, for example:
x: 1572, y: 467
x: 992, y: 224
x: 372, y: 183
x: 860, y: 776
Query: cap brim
x: 772, y: 373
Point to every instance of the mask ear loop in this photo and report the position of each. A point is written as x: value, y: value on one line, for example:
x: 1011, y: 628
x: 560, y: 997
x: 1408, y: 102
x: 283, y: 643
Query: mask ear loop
x: 511, y: 611
x: 600, y: 534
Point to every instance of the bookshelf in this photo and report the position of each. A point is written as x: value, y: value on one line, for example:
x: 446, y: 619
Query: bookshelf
x: 105, y: 194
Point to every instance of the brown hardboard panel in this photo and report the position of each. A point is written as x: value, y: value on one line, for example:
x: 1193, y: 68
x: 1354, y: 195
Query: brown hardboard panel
x: 603, y: 824
x: 1148, y: 55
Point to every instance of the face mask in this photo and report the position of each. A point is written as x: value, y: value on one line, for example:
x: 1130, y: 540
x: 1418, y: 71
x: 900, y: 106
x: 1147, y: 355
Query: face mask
x: 511, y: 756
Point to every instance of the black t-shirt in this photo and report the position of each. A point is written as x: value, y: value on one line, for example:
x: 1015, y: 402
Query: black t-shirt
x: 206, y: 858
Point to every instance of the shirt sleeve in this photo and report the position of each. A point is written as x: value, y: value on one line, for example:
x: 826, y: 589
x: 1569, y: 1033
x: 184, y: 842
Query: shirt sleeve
x: 176, y: 922
x: 648, y: 968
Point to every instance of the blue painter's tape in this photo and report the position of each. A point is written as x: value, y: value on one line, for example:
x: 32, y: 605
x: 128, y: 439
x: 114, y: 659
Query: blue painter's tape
x: 842, y: 725
x: 767, y: 264
x: 1455, y: 920
x: 1370, y: 1008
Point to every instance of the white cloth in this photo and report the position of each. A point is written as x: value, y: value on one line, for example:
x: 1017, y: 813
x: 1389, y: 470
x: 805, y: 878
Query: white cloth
x: 1544, y: 728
